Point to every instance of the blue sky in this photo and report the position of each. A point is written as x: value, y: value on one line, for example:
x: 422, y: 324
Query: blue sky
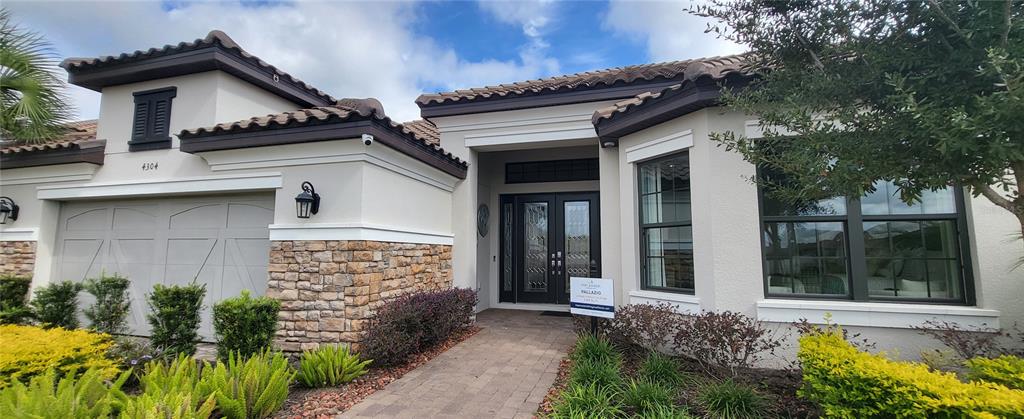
x: 389, y: 50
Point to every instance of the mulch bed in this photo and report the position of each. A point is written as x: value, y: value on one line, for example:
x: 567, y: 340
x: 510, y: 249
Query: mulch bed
x: 328, y: 402
x: 561, y: 381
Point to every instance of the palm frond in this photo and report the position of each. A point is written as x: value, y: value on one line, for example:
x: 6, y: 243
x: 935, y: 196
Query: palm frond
x: 33, y: 103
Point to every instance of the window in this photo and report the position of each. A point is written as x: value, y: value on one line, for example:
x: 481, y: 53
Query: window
x: 552, y: 171
x: 152, y: 119
x: 873, y: 248
x: 666, y: 231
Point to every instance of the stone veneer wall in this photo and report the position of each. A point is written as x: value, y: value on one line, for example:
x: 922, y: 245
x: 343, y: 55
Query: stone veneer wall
x: 17, y: 258
x: 329, y: 290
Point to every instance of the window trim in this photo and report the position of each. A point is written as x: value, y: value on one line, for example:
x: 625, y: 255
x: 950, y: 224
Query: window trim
x: 642, y: 228
x: 148, y: 142
x: 858, y: 290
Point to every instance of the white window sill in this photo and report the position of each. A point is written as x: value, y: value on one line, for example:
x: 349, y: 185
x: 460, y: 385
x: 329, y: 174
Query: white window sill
x: 893, y: 315
x: 683, y: 303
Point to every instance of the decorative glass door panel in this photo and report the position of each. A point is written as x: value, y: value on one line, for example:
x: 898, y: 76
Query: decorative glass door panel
x: 545, y: 240
x: 535, y: 247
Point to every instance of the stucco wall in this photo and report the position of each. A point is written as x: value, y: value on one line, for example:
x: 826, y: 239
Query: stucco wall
x: 727, y: 254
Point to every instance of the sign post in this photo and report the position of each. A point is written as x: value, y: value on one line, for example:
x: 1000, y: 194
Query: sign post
x: 594, y: 297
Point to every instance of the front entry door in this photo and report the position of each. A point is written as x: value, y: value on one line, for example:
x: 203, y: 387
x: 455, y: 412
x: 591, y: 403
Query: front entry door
x: 546, y: 239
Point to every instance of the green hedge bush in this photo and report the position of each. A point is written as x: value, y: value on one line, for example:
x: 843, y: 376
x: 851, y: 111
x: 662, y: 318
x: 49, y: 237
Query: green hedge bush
x: 109, y: 314
x: 56, y: 305
x: 849, y: 383
x: 13, y: 296
x: 174, y: 317
x: 244, y: 324
x: 1007, y: 370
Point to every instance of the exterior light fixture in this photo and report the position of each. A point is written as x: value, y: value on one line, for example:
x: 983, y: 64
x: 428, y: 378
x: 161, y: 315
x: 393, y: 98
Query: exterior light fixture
x: 307, y: 202
x: 608, y: 144
x: 8, y: 210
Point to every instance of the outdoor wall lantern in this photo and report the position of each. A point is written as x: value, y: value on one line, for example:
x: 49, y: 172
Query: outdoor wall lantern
x: 307, y: 202
x: 8, y: 210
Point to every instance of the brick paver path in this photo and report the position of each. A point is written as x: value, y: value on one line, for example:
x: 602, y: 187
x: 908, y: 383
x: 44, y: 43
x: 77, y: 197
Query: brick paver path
x: 504, y: 371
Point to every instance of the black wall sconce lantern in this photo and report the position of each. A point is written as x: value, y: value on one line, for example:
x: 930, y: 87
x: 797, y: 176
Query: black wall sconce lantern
x: 307, y: 202
x: 8, y: 210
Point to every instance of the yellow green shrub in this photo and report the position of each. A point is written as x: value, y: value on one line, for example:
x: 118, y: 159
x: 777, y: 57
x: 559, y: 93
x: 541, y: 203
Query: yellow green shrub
x: 27, y: 351
x: 1006, y: 370
x: 849, y: 383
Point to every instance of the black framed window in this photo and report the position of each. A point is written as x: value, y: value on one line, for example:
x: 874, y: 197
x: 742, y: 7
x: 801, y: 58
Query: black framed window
x: 666, y: 229
x: 152, y: 119
x: 552, y: 171
x: 872, y: 248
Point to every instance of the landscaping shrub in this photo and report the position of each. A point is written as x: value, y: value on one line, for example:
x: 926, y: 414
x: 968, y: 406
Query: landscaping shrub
x: 244, y: 324
x: 663, y: 412
x: 1006, y: 370
x: 174, y: 317
x: 729, y: 399
x: 170, y: 405
x: 330, y: 366
x: 966, y: 343
x: 13, y: 293
x: 642, y: 328
x: 725, y: 339
x: 661, y: 369
x: 28, y: 351
x: 84, y: 397
x: 109, y: 314
x: 415, y: 322
x: 604, y: 373
x: 847, y: 382
x: 592, y: 348
x: 56, y: 305
x: 588, y: 401
x: 644, y: 395
x: 171, y: 390
x: 250, y: 388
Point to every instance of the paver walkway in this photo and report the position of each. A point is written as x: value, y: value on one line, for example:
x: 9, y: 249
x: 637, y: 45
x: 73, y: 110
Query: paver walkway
x: 504, y: 371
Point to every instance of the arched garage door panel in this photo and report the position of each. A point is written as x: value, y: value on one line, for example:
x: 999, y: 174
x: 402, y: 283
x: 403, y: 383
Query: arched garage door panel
x: 221, y: 242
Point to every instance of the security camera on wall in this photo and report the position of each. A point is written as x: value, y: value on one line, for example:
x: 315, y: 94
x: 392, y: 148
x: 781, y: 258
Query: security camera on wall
x: 367, y: 139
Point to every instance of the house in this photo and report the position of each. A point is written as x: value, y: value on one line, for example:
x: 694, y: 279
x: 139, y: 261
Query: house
x: 509, y: 189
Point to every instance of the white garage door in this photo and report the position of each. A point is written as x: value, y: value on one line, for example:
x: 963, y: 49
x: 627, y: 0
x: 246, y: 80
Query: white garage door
x: 222, y: 242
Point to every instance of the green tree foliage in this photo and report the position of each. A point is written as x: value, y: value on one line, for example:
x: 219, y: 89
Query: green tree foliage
x: 13, y: 296
x: 33, y: 106
x: 109, y: 314
x: 921, y: 93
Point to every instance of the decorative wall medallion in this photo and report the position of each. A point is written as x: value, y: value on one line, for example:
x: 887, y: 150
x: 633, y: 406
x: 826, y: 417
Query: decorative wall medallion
x: 483, y: 215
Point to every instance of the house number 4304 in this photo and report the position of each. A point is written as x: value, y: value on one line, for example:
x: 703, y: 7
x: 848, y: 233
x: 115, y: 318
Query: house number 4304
x: 147, y: 166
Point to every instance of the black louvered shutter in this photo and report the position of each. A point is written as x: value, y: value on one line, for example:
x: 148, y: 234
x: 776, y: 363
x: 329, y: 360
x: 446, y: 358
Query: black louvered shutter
x: 152, y: 119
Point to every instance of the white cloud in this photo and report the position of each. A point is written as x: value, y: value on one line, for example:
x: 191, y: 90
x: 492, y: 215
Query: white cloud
x: 535, y: 18
x: 347, y: 49
x: 669, y: 32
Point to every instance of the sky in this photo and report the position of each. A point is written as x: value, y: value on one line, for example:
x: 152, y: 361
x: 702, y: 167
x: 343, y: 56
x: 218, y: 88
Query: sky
x: 390, y: 50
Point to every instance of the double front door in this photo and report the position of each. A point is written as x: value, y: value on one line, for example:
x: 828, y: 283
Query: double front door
x: 545, y: 240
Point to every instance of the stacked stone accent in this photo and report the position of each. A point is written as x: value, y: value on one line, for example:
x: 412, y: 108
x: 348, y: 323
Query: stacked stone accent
x: 329, y: 290
x: 17, y: 258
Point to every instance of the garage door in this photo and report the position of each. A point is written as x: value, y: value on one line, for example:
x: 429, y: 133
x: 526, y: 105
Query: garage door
x: 221, y: 242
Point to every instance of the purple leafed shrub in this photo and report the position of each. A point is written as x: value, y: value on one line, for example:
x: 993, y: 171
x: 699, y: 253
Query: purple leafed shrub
x: 646, y: 327
x: 967, y: 342
x: 725, y: 339
x: 415, y: 322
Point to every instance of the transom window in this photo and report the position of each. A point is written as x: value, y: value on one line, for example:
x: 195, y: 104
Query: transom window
x: 666, y: 230
x: 871, y: 248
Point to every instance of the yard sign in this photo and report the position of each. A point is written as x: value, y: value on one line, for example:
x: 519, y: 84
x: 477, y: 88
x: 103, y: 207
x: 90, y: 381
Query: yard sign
x: 592, y: 297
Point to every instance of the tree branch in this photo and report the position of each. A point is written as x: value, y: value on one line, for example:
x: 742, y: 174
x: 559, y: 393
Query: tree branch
x: 938, y: 10
x: 994, y: 196
x: 1008, y: 11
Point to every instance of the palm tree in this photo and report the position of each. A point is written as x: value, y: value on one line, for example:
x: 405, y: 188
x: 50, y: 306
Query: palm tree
x: 34, y: 106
